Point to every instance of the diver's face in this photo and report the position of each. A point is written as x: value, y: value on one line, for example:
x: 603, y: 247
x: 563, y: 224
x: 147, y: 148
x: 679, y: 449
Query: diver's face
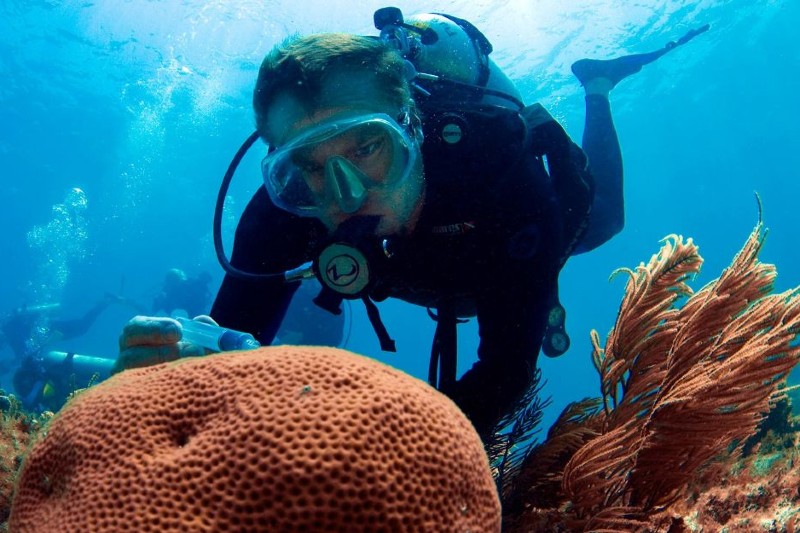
x: 366, y: 150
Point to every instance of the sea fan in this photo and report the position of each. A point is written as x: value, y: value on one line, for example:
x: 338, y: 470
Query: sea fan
x: 680, y: 384
x: 536, y: 479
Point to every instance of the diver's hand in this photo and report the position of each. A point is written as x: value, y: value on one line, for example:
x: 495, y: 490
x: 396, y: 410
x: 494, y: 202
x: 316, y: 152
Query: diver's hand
x: 147, y: 341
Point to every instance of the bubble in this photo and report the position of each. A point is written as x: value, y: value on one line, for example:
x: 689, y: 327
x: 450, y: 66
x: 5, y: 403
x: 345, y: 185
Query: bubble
x: 76, y: 199
x: 59, y: 244
x: 40, y: 334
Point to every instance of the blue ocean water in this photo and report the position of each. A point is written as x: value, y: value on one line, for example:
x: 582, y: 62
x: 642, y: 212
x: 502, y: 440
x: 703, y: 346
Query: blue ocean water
x: 141, y: 104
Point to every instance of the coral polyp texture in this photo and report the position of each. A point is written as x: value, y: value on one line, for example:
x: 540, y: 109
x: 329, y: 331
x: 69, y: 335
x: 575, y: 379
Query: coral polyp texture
x: 276, y: 439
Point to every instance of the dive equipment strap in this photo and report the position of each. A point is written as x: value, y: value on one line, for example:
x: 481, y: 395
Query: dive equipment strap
x: 387, y: 343
x: 444, y: 350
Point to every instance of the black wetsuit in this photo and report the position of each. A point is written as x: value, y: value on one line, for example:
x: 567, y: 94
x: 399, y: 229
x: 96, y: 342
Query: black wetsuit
x: 494, y: 232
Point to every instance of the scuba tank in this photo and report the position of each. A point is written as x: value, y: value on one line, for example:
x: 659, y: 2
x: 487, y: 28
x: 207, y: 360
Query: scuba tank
x: 84, y: 367
x: 48, y: 379
x: 460, y: 93
x: 450, y: 58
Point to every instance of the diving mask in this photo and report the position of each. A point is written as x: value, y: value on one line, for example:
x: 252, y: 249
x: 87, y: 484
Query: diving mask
x: 340, y: 161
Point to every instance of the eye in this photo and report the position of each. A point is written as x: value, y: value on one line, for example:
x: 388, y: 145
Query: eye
x: 312, y: 174
x: 370, y: 147
x: 309, y: 166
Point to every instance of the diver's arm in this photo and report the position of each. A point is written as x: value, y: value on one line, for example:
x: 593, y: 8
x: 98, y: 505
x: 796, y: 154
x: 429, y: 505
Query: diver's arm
x: 511, y: 322
x: 254, y: 307
x: 67, y: 329
x: 267, y: 240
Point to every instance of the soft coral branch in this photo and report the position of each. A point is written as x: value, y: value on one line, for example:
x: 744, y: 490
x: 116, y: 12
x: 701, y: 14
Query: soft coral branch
x: 680, y: 384
x: 632, y: 361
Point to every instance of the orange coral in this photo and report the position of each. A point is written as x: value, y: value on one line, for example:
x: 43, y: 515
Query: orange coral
x: 694, y: 380
x: 685, y: 379
x: 277, y: 439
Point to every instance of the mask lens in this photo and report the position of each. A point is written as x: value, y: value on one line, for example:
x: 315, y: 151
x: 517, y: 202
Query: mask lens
x: 301, y: 180
x: 287, y: 188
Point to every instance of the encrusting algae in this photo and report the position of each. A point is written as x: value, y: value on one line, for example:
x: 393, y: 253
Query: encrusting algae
x: 18, y: 429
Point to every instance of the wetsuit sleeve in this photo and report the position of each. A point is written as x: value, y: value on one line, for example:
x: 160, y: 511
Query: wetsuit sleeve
x: 511, y: 321
x: 267, y: 240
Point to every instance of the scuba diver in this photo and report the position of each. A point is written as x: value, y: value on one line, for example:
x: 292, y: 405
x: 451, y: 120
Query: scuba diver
x: 44, y: 378
x: 407, y: 166
x: 18, y: 328
x: 45, y: 381
x: 183, y: 294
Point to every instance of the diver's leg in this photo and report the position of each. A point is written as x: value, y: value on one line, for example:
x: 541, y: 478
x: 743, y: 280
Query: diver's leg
x: 600, y: 141
x: 613, y: 70
x: 601, y: 144
x: 71, y: 328
x: 617, y: 69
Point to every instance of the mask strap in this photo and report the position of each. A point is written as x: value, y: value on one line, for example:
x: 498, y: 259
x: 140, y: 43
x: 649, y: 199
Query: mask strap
x: 410, y: 121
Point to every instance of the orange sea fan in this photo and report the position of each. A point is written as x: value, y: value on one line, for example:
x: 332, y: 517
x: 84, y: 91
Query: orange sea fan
x: 539, y: 476
x: 646, y: 325
x: 680, y: 384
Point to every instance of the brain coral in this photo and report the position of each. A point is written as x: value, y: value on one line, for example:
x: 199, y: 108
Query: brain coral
x: 276, y: 439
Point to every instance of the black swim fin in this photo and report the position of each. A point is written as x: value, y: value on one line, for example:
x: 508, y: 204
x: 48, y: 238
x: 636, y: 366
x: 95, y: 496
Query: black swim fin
x: 620, y: 68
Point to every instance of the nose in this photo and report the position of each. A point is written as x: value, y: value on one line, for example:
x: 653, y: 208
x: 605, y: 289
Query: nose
x: 346, y: 184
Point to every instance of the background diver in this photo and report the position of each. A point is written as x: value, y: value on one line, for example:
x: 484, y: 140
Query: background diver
x: 44, y: 378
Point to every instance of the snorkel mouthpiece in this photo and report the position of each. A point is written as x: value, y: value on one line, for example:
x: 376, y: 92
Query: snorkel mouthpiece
x: 347, y: 183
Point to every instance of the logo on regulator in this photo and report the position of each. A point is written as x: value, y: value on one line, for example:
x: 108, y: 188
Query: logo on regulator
x: 345, y: 269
